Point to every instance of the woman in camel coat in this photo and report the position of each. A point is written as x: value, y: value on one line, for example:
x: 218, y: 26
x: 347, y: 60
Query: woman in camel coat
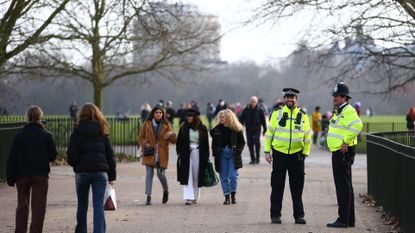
x: 156, y: 133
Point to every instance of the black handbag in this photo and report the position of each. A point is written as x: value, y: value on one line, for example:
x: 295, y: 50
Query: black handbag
x: 148, y: 151
x: 210, y: 179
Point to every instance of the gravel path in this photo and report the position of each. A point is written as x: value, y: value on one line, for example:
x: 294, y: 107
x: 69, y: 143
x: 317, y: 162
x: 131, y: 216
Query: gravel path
x: 251, y: 214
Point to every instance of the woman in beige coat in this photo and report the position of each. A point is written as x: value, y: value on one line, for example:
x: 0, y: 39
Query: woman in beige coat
x: 154, y: 139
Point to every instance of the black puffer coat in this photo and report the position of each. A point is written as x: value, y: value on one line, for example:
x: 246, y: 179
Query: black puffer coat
x: 91, y: 151
x: 237, y: 141
x: 32, y: 150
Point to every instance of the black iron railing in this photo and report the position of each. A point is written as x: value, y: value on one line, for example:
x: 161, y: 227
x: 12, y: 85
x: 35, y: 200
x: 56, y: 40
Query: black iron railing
x: 391, y: 174
x: 123, y: 131
x: 7, y: 134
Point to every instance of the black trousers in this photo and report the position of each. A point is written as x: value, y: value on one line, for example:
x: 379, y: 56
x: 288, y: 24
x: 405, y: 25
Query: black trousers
x: 252, y: 137
x: 342, y: 173
x: 295, y: 167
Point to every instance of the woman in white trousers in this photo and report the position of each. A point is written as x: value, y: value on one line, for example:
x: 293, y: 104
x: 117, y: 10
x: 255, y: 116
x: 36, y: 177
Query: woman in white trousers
x: 193, y: 154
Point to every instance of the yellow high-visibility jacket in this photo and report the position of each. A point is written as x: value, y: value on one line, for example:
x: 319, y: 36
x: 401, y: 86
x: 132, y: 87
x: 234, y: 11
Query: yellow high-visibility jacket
x: 345, y: 126
x: 292, y: 137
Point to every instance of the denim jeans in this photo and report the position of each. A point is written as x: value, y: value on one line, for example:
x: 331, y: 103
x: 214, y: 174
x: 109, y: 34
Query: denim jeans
x: 98, y: 181
x: 228, y: 174
x: 161, y: 174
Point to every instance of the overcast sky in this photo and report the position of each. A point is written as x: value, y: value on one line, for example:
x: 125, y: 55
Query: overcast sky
x: 261, y: 43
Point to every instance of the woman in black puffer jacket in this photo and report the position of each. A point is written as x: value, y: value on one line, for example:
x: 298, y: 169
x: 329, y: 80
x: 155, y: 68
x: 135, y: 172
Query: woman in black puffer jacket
x: 227, y: 145
x: 91, y: 155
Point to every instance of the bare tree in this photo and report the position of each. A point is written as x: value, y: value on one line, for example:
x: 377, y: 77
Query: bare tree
x: 21, y: 25
x: 103, y: 41
x: 372, y: 40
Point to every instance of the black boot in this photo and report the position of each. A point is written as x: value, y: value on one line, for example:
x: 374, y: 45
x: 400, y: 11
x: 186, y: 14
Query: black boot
x: 148, y: 201
x: 227, y: 201
x: 233, y: 198
x: 165, y: 197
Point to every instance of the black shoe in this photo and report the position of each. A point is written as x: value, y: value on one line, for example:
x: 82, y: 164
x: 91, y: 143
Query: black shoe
x: 227, y: 201
x: 257, y: 161
x: 350, y: 225
x: 276, y: 220
x: 148, y: 201
x: 300, y: 220
x: 337, y: 224
x: 165, y: 197
x: 252, y: 162
x: 233, y: 198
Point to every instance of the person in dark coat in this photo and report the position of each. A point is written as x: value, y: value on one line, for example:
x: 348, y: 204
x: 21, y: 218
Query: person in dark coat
x: 91, y: 155
x: 253, y: 118
x: 227, y: 145
x: 410, y: 119
x: 28, y: 167
x: 193, y: 155
x: 170, y: 112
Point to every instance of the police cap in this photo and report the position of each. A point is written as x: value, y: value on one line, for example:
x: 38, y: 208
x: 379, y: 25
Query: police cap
x: 290, y: 92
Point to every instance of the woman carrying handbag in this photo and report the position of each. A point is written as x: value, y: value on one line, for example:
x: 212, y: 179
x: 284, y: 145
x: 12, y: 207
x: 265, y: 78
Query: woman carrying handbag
x: 91, y: 155
x: 193, y: 155
x: 154, y: 139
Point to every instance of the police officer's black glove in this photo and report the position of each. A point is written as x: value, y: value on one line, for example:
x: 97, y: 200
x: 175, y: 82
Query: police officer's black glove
x: 301, y: 157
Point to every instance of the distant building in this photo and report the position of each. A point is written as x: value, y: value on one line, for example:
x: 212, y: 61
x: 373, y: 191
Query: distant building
x: 172, y: 30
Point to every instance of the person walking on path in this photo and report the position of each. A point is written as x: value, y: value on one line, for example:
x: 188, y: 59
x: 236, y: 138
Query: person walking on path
x: 410, y: 119
x: 73, y: 111
x: 145, y: 112
x: 227, y: 145
x: 154, y: 139
x: 345, y: 126
x: 289, y: 139
x: 316, y: 124
x: 253, y: 118
x: 91, y: 155
x: 193, y: 155
x: 28, y: 167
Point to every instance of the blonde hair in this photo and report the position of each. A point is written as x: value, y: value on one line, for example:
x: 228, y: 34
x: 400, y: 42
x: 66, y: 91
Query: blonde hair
x: 34, y: 114
x: 90, y: 112
x: 233, y: 121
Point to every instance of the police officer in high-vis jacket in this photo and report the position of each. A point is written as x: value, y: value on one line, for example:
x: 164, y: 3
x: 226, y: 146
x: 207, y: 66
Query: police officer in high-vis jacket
x: 288, y: 138
x: 345, y: 126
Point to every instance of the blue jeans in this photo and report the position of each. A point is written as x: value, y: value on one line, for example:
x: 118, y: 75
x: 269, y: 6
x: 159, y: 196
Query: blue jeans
x: 83, y: 180
x: 228, y: 174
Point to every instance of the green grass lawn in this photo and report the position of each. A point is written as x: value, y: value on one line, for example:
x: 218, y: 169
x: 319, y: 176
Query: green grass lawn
x: 126, y: 132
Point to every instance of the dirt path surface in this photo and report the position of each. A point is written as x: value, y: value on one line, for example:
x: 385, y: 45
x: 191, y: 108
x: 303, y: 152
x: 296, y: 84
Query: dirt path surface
x: 251, y: 214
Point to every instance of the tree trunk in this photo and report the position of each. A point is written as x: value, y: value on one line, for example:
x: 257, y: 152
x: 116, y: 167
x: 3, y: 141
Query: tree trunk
x: 98, y: 94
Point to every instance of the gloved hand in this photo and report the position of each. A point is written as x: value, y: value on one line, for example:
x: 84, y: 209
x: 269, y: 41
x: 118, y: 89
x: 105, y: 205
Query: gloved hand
x: 301, y: 157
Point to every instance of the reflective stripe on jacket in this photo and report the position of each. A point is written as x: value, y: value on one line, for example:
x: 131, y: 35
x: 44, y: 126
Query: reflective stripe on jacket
x: 343, y: 128
x: 292, y: 137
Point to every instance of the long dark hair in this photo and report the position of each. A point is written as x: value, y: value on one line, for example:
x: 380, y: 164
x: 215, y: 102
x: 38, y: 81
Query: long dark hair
x: 196, y: 123
x: 163, y: 118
